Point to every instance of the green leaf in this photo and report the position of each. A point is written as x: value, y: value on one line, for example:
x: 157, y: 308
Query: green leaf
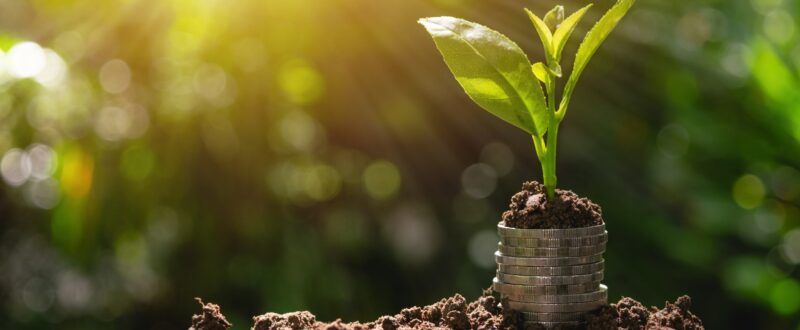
x: 544, y: 34
x: 554, y: 17
x: 540, y: 71
x: 555, y: 69
x: 493, y: 71
x: 565, y: 29
x: 590, y: 43
x: 543, y: 72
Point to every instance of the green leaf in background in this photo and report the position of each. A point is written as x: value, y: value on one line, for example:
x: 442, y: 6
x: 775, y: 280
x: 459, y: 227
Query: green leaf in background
x: 565, y: 29
x: 544, y: 34
x: 493, y: 70
x: 554, y: 17
x: 590, y: 43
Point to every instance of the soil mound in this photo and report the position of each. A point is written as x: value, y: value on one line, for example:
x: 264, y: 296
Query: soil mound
x: 531, y: 209
x: 630, y: 314
x: 482, y: 314
x: 675, y: 316
x: 210, y: 318
x: 295, y: 320
x: 448, y: 313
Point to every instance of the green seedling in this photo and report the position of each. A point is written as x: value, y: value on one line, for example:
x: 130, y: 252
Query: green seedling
x: 497, y: 75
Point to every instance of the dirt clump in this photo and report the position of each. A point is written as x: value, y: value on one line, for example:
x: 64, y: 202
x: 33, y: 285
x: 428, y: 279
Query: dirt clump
x: 675, y: 316
x: 530, y: 208
x: 482, y: 314
x: 210, y: 318
x: 294, y: 321
x: 449, y: 313
x: 630, y: 314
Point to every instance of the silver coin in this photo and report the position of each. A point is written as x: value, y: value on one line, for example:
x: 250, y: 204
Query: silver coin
x: 518, y: 290
x: 553, y: 317
x: 600, y: 294
x: 555, y: 308
x: 502, y: 259
x: 550, y: 233
x: 555, y: 242
x: 578, y: 251
x: 549, y: 280
x: 552, y: 271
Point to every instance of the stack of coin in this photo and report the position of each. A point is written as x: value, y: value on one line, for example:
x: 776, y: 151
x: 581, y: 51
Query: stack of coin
x: 552, y: 276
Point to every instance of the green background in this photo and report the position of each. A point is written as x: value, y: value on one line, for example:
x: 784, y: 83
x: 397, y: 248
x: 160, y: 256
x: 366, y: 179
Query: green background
x: 292, y: 155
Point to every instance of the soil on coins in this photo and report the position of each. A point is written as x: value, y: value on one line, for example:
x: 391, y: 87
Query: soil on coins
x: 530, y: 208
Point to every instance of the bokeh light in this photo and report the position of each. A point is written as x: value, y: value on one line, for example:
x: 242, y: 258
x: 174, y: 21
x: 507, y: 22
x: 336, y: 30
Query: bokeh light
x: 301, y: 83
x: 115, y: 76
x: 785, y: 296
x: 479, y: 180
x: 26, y: 59
x: 748, y: 191
x: 382, y: 179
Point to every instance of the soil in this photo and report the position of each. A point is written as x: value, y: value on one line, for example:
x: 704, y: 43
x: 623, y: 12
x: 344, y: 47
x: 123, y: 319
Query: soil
x: 482, y: 314
x: 532, y: 209
x: 449, y: 313
x: 210, y: 318
x: 675, y: 316
x: 632, y: 315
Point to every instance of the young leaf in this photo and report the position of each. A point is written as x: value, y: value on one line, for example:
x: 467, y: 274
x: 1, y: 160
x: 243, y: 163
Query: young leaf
x: 544, y: 34
x: 493, y: 70
x: 564, y: 30
x: 554, y: 17
x: 540, y: 71
x: 555, y: 69
x: 590, y: 43
x: 543, y: 72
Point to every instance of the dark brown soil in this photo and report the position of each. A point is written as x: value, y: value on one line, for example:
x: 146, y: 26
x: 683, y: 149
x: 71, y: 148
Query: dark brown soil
x: 675, y: 316
x: 210, y: 319
x: 481, y: 314
x: 530, y: 208
x: 632, y: 315
x: 448, y: 313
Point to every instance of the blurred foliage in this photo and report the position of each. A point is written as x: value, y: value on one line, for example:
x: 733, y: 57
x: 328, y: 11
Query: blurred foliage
x: 286, y: 155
